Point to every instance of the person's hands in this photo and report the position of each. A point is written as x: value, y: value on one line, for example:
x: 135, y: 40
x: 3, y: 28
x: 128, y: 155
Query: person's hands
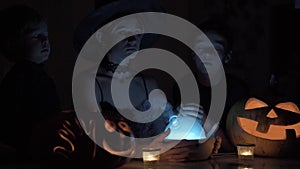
x: 185, y: 150
x: 217, y: 144
x: 192, y: 150
x: 181, y: 152
x: 194, y: 110
x: 160, y: 142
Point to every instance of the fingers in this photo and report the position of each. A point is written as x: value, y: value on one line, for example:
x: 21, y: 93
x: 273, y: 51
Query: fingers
x: 187, y: 143
x: 162, y: 136
x: 191, y: 105
x: 217, y: 144
x: 176, y: 155
x: 194, y: 110
x: 178, y: 151
x: 188, y: 150
x: 184, y: 154
x: 160, y: 142
x: 189, y: 109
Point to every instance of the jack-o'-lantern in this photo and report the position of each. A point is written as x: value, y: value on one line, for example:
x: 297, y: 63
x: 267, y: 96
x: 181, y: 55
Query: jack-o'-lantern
x: 116, y: 128
x: 65, y: 141
x: 273, y: 126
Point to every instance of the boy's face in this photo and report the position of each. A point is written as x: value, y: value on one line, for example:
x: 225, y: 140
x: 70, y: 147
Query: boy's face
x: 36, y: 43
x: 128, y: 46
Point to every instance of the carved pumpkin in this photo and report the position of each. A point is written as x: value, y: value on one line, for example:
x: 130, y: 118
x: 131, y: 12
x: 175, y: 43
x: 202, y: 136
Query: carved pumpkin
x: 274, y: 127
x: 64, y: 143
x: 116, y: 127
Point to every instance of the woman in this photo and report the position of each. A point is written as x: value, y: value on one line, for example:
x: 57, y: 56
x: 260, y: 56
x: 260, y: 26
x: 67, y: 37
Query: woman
x: 209, y: 72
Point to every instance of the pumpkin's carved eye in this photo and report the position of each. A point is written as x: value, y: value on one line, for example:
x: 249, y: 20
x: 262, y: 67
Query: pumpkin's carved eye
x: 110, y: 126
x: 289, y: 106
x: 254, y: 103
x: 124, y: 126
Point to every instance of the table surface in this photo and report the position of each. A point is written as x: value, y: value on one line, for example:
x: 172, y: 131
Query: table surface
x: 220, y: 161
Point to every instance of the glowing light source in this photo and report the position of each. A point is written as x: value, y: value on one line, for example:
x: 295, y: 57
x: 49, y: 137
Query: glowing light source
x: 245, y: 167
x: 245, y: 151
x: 151, y: 155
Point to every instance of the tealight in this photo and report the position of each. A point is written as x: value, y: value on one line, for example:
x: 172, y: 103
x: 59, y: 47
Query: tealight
x: 151, y: 155
x: 245, y: 167
x: 245, y: 151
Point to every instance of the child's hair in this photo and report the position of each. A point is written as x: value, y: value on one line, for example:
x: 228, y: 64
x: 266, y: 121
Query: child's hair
x: 17, y: 20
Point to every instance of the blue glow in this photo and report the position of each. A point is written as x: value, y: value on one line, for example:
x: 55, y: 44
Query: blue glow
x: 182, y: 129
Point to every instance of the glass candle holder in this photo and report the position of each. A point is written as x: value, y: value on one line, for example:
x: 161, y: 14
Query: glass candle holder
x: 245, y: 167
x: 151, y: 155
x: 245, y: 151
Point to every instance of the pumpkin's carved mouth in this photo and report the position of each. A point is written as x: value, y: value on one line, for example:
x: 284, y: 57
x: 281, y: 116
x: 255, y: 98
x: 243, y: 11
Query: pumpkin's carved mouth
x: 275, y: 132
x: 108, y: 148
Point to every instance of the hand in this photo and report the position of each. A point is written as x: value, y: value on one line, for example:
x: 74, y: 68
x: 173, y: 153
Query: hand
x: 159, y: 142
x: 192, y: 109
x: 181, y: 152
x: 192, y: 150
x: 217, y: 144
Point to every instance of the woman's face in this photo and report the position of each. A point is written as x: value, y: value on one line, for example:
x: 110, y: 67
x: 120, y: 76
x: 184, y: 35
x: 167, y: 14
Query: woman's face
x: 36, y: 43
x: 127, y: 46
x: 210, y: 62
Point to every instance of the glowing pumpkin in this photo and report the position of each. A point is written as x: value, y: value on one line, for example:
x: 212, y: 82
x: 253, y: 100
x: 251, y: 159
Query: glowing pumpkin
x: 116, y: 127
x: 274, y: 128
x: 63, y: 142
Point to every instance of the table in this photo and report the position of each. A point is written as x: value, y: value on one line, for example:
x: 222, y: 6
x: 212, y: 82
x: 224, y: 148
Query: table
x: 221, y: 161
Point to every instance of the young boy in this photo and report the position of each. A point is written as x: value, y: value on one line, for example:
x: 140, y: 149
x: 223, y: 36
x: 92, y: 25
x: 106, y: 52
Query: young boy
x: 27, y: 94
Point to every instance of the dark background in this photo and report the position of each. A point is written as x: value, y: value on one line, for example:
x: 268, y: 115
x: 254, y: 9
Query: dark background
x: 265, y: 37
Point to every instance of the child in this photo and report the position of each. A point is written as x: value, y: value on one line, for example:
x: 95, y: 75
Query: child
x: 27, y: 94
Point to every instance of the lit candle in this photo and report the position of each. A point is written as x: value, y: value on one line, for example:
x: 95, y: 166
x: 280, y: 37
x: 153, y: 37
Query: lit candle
x: 245, y: 167
x: 245, y: 151
x: 151, y: 155
x: 150, y: 158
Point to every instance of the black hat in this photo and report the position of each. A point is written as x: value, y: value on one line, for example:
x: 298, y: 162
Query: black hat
x: 108, y: 12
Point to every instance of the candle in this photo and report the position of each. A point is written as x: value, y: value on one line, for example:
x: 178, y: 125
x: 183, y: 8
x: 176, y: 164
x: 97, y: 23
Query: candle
x: 151, y: 155
x: 245, y: 167
x: 245, y: 151
x: 150, y: 158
